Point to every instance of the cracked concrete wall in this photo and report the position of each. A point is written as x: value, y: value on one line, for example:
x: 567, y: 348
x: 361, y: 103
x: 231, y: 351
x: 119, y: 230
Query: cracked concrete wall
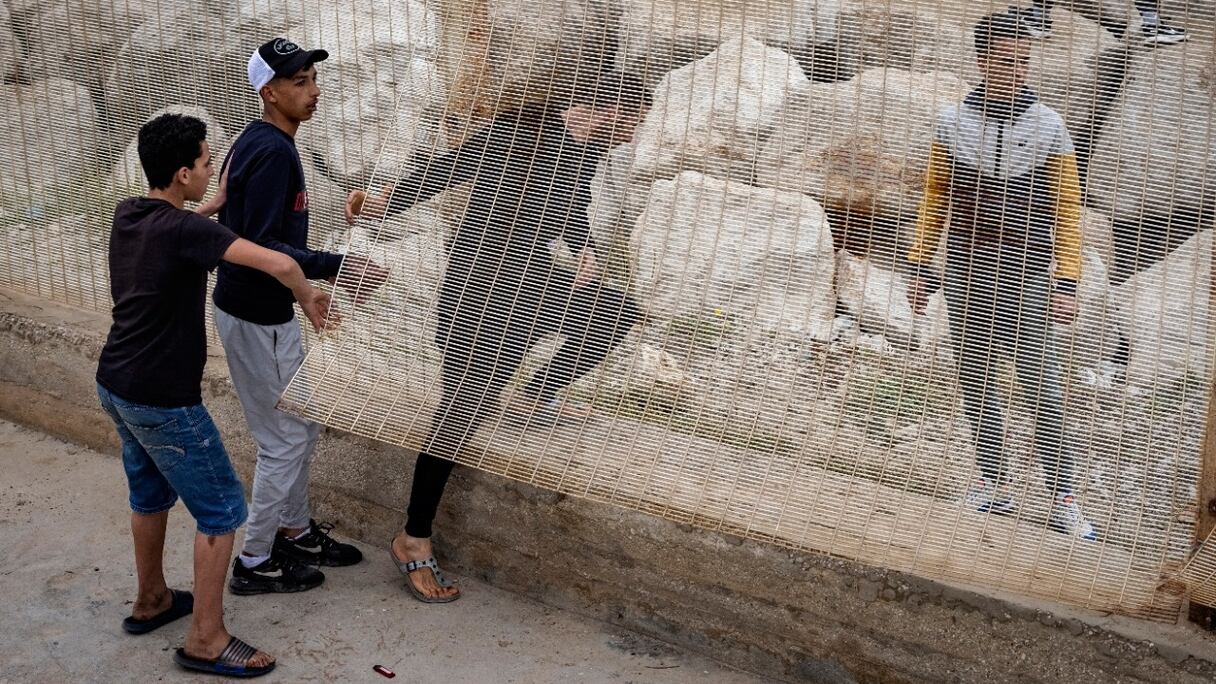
x: 787, y: 614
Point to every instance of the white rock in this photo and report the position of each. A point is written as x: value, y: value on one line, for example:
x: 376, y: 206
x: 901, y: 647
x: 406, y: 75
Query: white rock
x: 128, y: 173
x: 141, y: 80
x: 936, y: 35
x: 1164, y: 315
x: 376, y: 123
x: 71, y: 259
x: 654, y: 366
x: 415, y: 262
x: 1156, y: 158
x: 1095, y: 10
x: 1069, y: 70
x: 377, y: 85
x: 714, y: 114
x: 934, y: 327
x: 918, y: 35
x: 861, y: 147
x: 878, y: 298
x: 636, y: 371
x: 77, y: 39
x: 390, y: 33
x: 617, y: 199
x: 1097, y: 234
x: 761, y: 256
x: 876, y: 344
x: 502, y: 53
x: 615, y: 204
x: 1104, y: 376
x: 658, y: 36
x: 48, y: 131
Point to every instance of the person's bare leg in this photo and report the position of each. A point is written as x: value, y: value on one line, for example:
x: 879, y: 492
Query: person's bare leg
x: 148, y: 531
x: 409, y: 548
x: 207, y: 636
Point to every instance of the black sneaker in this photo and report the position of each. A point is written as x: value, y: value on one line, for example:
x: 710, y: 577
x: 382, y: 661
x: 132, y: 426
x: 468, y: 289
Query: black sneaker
x: 318, y: 548
x: 1162, y: 33
x: 276, y: 575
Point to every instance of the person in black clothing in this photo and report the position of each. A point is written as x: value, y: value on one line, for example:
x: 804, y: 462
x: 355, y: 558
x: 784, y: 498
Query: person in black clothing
x: 1154, y: 30
x: 502, y: 291
x: 148, y: 381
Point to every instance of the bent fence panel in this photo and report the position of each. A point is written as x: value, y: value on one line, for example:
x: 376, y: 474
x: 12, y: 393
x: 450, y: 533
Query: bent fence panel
x: 804, y: 164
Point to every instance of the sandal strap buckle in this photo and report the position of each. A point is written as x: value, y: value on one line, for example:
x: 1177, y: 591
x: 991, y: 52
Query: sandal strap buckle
x: 431, y: 563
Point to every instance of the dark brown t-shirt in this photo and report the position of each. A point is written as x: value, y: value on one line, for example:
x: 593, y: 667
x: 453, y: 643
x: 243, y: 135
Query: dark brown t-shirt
x: 159, y: 259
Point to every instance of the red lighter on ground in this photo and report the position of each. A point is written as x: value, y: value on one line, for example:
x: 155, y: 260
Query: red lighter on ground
x: 384, y: 671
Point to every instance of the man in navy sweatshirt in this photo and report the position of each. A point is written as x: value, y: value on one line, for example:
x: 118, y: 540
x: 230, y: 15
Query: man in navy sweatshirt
x: 267, y: 203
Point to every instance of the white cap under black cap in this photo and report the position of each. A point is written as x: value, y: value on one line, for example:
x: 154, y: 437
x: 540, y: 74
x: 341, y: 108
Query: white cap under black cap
x: 280, y: 58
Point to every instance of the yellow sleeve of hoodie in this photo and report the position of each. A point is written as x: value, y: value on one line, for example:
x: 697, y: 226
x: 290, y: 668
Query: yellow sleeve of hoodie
x: 1067, y: 184
x: 931, y: 215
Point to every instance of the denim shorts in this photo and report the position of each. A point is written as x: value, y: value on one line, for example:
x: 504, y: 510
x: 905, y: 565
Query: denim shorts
x: 176, y: 452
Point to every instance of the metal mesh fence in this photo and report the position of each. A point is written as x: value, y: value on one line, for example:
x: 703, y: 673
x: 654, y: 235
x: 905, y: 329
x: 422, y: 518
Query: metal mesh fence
x: 832, y: 265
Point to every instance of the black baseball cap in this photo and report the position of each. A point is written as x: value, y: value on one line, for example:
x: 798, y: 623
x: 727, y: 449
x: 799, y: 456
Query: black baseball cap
x: 280, y: 58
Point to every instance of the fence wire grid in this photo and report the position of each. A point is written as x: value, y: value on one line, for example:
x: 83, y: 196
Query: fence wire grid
x: 746, y: 356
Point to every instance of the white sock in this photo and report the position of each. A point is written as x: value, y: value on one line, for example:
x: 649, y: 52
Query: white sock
x: 1151, y: 19
x: 253, y: 561
x: 301, y: 535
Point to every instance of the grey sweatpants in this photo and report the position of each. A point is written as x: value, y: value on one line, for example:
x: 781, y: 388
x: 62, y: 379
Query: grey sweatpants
x: 261, y: 360
x: 999, y: 310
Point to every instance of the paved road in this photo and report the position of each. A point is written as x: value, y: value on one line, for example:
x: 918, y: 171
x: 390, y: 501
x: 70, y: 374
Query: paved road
x: 66, y: 582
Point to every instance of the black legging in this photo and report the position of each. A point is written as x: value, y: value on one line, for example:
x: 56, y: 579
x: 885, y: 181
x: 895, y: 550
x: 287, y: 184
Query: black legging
x: 484, y: 341
x: 1115, y: 25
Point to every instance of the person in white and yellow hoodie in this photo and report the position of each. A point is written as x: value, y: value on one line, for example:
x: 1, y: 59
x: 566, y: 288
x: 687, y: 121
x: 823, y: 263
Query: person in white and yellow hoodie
x: 1003, y: 177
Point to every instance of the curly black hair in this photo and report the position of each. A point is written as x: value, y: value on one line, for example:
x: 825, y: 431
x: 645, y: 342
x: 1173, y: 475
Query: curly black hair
x: 168, y: 143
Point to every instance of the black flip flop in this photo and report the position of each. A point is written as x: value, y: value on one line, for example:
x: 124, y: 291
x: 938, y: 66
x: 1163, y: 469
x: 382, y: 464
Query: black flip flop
x: 181, y: 606
x: 231, y: 662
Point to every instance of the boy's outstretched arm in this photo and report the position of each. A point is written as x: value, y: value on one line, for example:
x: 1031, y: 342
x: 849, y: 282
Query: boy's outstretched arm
x: 283, y: 268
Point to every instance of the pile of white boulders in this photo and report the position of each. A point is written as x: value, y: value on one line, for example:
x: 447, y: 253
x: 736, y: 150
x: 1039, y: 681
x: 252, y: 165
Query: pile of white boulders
x: 777, y: 176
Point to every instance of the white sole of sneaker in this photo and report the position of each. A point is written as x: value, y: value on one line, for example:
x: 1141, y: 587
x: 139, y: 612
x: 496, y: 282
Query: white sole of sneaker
x: 1162, y: 41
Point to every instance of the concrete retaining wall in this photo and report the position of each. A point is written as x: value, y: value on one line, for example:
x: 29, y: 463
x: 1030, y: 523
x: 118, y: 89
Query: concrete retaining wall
x: 787, y: 614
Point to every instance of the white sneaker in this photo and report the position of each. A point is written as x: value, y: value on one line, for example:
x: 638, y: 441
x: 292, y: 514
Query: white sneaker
x: 986, y: 497
x: 1162, y: 33
x: 1066, y: 517
x: 1037, y: 25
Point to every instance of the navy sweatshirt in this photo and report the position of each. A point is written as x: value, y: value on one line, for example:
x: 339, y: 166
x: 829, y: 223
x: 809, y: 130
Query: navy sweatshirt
x: 267, y: 204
